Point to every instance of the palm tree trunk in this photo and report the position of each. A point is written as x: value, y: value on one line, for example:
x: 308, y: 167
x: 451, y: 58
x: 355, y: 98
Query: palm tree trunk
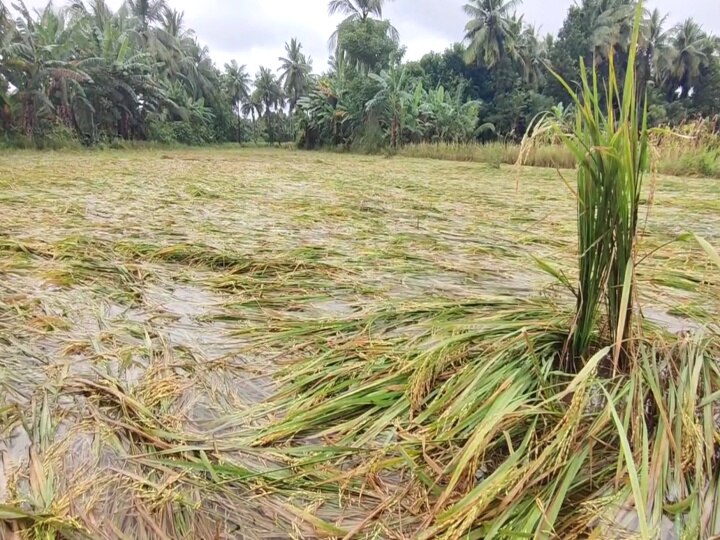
x: 292, y: 118
x: 124, y: 125
x: 267, y: 124
x: 238, y: 125
x: 28, y: 116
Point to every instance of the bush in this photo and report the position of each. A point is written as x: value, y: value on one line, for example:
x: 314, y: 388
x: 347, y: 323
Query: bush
x: 17, y: 142
x: 58, y: 137
x: 370, y: 140
x: 161, y: 131
x: 192, y: 132
x: 701, y: 163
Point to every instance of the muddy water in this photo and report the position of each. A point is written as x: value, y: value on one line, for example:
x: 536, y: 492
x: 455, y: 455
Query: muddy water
x: 671, y: 323
x: 393, y: 231
x: 94, y: 338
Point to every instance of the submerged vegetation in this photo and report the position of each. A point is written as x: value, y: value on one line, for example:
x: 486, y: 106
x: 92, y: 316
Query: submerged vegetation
x: 264, y: 343
x: 149, y: 302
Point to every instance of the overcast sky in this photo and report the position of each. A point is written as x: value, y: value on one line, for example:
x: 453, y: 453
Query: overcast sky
x: 254, y: 31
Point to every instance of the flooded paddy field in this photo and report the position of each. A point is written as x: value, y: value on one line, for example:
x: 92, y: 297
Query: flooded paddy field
x: 149, y: 300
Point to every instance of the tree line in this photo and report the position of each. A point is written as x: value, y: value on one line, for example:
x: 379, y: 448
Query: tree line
x: 85, y: 72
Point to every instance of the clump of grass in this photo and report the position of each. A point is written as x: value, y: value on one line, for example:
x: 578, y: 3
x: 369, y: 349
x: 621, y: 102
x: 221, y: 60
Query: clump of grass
x: 610, y: 143
x: 691, y: 149
x: 201, y: 192
x: 463, y: 406
x: 554, y: 156
x: 691, y: 162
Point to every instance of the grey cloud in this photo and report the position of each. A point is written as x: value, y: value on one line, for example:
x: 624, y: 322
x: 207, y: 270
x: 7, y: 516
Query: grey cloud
x: 229, y: 33
x: 705, y: 12
x: 446, y: 18
x: 265, y: 24
x: 236, y: 28
x: 442, y: 18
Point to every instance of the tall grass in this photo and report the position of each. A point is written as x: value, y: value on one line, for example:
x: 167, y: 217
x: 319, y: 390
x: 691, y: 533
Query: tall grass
x: 469, y: 431
x: 554, y: 156
x: 675, y: 156
x: 690, y: 150
x: 610, y: 144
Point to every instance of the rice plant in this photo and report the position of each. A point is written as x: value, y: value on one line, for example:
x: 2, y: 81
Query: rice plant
x: 611, y: 147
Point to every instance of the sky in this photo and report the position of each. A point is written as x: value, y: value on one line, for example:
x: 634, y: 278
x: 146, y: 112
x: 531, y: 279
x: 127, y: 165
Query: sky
x: 254, y: 31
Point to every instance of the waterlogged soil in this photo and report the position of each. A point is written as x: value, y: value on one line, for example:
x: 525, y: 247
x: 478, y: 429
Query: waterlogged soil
x: 136, y: 288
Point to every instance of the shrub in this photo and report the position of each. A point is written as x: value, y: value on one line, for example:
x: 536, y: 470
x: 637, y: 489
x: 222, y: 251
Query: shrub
x: 700, y: 163
x: 161, y: 131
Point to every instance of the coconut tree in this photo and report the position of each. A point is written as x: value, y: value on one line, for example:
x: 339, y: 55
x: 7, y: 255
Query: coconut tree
x: 489, y: 32
x: 269, y: 93
x: 172, y: 22
x: 253, y: 107
x: 691, y: 50
x: 358, y: 10
x: 612, y: 24
x: 147, y: 12
x: 197, y: 71
x: 295, y: 72
x: 173, y: 44
x: 530, y: 54
x: 653, y: 44
x: 268, y: 90
x: 237, y: 85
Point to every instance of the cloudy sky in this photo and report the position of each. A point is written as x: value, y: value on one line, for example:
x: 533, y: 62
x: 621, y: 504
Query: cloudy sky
x: 254, y: 31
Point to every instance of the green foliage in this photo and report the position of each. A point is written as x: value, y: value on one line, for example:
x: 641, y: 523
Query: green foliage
x: 107, y: 75
x: 367, y: 43
x: 449, y: 70
x: 706, y: 95
x: 391, y: 102
x: 513, y: 112
x: 450, y: 119
x: 386, y: 109
x: 191, y: 132
x: 610, y: 142
x: 700, y: 162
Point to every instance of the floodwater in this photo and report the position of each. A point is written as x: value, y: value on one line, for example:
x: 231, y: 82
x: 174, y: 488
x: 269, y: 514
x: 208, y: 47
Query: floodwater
x: 117, y: 341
